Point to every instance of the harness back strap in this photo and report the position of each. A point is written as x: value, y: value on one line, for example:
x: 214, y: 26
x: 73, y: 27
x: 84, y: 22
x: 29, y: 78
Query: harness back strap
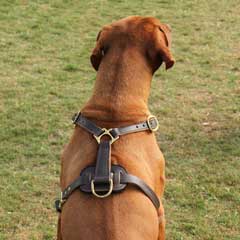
x: 103, y: 166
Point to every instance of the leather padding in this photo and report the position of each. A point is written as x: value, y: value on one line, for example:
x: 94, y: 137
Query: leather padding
x: 88, y: 175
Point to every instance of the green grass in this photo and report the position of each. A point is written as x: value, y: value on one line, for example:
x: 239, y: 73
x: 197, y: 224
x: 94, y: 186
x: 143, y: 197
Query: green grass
x: 45, y: 76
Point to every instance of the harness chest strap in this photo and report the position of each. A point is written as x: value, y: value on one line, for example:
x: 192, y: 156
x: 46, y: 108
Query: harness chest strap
x: 104, y: 178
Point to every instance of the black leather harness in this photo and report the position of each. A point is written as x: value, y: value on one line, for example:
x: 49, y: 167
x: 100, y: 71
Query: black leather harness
x: 104, y: 178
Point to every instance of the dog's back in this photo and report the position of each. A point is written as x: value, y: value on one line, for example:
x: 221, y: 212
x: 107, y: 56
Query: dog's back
x: 126, y: 55
x: 123, y: 215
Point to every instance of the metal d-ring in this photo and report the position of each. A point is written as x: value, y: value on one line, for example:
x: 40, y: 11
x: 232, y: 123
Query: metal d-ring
x: 104, y: 195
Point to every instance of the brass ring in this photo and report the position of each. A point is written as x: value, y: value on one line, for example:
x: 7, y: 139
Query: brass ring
x: 149, y: 124
x: 104, y: 195
x: 108, y: 133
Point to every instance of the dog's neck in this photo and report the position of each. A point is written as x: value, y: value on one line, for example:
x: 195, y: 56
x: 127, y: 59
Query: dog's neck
x: 121, y: 89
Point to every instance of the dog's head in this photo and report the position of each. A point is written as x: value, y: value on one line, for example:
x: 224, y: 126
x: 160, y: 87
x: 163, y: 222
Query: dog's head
x: 147, y: 35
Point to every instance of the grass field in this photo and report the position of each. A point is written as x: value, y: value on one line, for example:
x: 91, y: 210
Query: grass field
x: 45, y: 76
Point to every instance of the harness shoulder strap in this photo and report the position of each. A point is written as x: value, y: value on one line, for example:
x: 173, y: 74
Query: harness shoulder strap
x: 150, y: 124
x: 128, y: 178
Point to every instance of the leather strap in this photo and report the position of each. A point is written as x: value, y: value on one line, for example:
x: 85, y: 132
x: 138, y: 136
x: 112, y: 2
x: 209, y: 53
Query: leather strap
x: 72, y: 187
x: 83, y: 122
x: 128, y: 178
x: 143, y: 126
x: 89, y: 172
x: 125, y: 178
x: 103, y: 164
x: 151, y: 124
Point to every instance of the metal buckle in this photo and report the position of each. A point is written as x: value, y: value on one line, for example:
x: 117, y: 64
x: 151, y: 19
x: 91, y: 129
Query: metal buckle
x: 75, y: 117
x: 104, y: 195
x: 106, y: 132
x: 62, y: 201
x: 153, y: 129
x: 59, y: 203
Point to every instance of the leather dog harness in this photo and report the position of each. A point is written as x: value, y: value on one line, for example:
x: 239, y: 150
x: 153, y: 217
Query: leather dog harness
x: 104, y: 178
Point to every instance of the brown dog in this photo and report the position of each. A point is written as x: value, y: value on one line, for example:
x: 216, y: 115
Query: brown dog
x: 126, y: 55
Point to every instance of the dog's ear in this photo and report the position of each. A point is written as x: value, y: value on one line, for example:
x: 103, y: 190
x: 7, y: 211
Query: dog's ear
x: 164, y: 49
x: 162, y: 44
x: 97, y: 52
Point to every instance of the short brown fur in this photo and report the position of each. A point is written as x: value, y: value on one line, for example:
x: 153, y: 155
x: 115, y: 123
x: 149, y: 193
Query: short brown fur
x: 126, y: 55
